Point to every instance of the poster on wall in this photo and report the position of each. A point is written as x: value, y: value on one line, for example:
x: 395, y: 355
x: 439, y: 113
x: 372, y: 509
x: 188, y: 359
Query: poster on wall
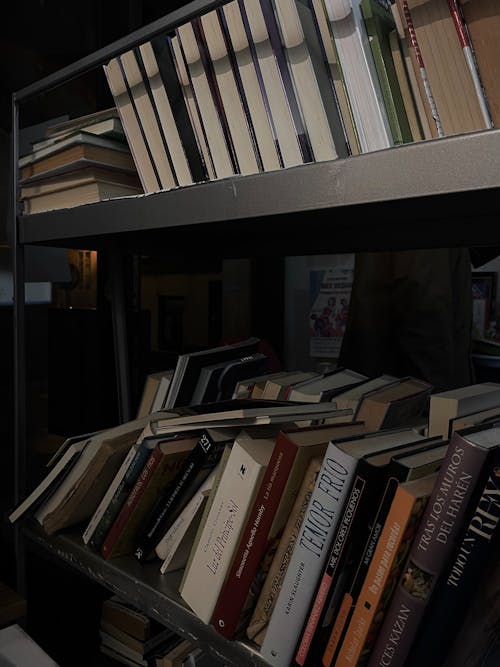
x: 330, y: 292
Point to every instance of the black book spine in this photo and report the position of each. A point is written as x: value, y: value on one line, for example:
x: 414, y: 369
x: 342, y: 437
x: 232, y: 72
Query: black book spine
x: 204, y: 456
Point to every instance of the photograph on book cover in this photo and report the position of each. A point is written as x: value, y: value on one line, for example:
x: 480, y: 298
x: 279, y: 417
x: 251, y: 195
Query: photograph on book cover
x: 483, y: 301
x: 329, y: 296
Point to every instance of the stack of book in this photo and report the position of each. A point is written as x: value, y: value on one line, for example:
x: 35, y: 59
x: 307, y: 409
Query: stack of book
x: 259, y: 85
x: 79, y: 161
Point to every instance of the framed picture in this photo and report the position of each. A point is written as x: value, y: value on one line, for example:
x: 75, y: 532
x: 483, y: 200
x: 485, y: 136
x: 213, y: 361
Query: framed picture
x: 484, y: 286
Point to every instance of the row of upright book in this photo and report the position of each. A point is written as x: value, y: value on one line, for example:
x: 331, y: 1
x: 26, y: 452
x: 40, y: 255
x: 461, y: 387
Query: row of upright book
x: 259, y: 85
x: 351, y: 529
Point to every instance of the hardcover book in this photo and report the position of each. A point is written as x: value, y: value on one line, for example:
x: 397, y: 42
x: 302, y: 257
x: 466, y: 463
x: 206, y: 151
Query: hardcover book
x: 455, y: 487
x: 293, y: 450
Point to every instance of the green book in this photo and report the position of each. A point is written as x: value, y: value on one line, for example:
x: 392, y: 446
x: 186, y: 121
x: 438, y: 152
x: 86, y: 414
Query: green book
x: 379, y: 23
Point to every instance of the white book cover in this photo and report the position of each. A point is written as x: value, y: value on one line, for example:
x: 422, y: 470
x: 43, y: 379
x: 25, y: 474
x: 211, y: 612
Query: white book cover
x: 233, y: 500
x: 309, y: 555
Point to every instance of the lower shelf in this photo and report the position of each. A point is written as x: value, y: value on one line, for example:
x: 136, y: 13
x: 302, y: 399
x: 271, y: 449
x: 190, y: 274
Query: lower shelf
x: 143, y: 585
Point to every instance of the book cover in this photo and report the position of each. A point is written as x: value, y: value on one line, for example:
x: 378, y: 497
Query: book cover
x: 189, y: 365
x: 81, y: 491
x: 379, y: 23
x: 197, y: 466
x: 250, y: 82
x: 293, y: 450
x: 433, y: 544
x: 135, y: 139
x: 371, y: 456
x: 273, y: 576
x: 161, y: 466
x: 474, y: 551
x: 226, y: 519
x: 153, y: 132
x: 262, y: 50
x: 398, y: 530
x: 309, y: 555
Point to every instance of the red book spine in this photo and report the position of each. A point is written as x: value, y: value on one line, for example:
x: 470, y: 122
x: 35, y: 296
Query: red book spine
x: 114, y: 533
x: 253, y: 543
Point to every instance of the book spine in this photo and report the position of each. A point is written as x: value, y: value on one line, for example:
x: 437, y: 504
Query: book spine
x: 431, y: 548
x: 253, y: 543
x: 268, y: 594
x: 120, y: 496
x: 139, y: 487
x: 477, y: 545
x: 323, y: 515
x: 206, y: 454
x: 392, y: 547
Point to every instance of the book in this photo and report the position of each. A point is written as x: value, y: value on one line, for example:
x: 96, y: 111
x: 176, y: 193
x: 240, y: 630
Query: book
x: 143, y: 648
x: 150, y: 391
x: 350, y: 397
x: 120, y: 648
x: 310, y: 552
x: 449, y: 78
x: 211, y: 117
x: 473, y: 552
x: 188, y: 367
x: 93, y: 190
x: 326, y: 386
x: 111, y: 503
x: 233, y: 104
x: 56, y: 473
x: 473, y: 418
x: 438, y: 530
x: 197, y: 466
x: 162, y: 391
x: 293, y: 450
x: 399, y: 526
x: 152, y: 131
x: 349, y: 35
x: 217, y: 382
x: 265, y: 62
x: 164, y: 80
x: 233, y: 500
x: 79, y: 494
x: 273, y: 578
x: 110, y: 127
x: 135, y: 138
x: 254, y: 96
x: 379, y: 22
x: 218, y: 470
x: 482, y: 25
x: 371, y: 457
x: 70, y: 155
x: 321, y: 116
x: 395, y: 405
x: 278, y: 388
x: 97, y: 122
x: 446, y: 405
x: 162, y: 465
x: 336, y: 76
x: 124, y: 616
x: 178, y: 539
x: 18, y: 648
x: 176, y: 655
x: 175, y: 152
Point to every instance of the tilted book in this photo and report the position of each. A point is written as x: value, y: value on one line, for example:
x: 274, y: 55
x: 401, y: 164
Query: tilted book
x: 372, y: 456
x: 440, y: 526
x: 232, y: 502
x: 475, y: 549
x: 197, y: 466
x: 398, y: 530
x: 163, y: 463
x: 292, y: 452
x: 309, y: 555
x: 273, y: 576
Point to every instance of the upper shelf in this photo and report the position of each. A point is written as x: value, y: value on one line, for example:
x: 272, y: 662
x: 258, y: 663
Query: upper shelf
x: 442, y: 192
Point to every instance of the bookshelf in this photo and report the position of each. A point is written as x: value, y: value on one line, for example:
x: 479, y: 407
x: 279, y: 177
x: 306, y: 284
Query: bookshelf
x: 433, y: 193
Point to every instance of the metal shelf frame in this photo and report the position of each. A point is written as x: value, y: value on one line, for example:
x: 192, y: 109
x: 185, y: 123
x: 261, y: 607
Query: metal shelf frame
x: 439, y: 193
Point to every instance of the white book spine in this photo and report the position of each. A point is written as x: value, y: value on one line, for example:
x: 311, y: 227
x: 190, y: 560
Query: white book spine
x: 309, y: 555
x: 221, y: 533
